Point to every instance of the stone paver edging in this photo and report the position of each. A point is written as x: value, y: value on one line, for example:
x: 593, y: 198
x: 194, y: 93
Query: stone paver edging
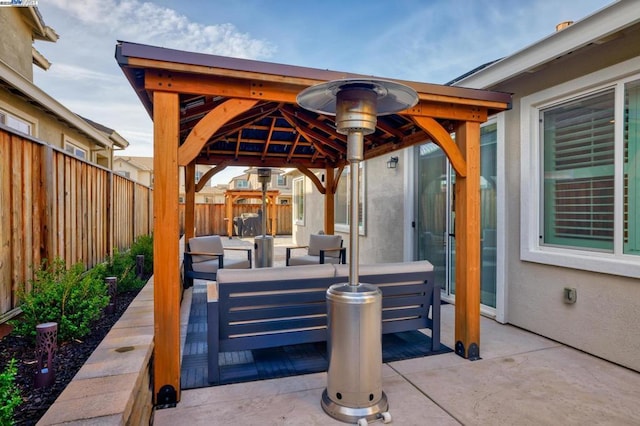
x: 113, y: 387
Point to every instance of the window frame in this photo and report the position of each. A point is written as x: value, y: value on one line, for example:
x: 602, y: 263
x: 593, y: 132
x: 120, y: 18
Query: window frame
x: 19, y: 116
x: 531, y: 174
x: 345, y: 227
x: 298, y: 185
x: 69, y: 143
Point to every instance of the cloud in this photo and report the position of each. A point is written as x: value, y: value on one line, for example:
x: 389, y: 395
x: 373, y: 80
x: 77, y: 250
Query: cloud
x: 148, y: 23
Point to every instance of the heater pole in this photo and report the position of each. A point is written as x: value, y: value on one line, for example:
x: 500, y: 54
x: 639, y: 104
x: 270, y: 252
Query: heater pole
x: 355, y: 152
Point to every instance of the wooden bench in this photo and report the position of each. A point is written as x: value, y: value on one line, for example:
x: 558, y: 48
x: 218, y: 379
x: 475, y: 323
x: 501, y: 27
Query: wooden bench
x: 271, y: 307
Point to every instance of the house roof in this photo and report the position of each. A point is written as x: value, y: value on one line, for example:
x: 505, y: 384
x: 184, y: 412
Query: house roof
x: 273, y: 130
x: 21, y: 87
x: 140, y: 163
x: 603, y: 25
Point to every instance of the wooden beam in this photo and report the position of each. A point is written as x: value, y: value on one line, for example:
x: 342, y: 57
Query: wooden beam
x: 209, y: 124
x: 210, y: 173
x: 166, y: 267
x: 467, y: 231
x: 189, y: 201
x: 314, y: 179
x: 443, y: 139
x: 459, y: 109
x: 222, y: 86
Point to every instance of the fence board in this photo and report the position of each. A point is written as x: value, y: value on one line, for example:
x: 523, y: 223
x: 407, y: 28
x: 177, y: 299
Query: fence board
x: 53, y: 205
x: 210, y: 219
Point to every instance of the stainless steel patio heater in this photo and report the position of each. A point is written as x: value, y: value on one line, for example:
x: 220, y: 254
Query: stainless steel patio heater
x: 354, y: 378
x: 263, y: 244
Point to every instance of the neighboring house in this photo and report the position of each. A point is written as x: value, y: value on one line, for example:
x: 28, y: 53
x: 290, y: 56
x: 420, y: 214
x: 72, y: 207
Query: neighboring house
x: 560, y: 191
x: 26, y: 108
x: 249, y: 181
x: 139, y: 169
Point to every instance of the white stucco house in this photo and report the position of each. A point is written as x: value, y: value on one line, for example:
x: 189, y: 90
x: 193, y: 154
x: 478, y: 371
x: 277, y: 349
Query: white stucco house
x: 560, y: 191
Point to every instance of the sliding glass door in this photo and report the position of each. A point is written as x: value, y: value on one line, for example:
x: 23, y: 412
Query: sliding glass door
x: 435, y: 215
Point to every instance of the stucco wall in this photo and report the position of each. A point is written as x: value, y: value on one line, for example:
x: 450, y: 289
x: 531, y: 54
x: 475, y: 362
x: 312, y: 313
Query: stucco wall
x: 603, y: 320
x: 48, y: 128
x: 384, y: 194
x: 15, y: 42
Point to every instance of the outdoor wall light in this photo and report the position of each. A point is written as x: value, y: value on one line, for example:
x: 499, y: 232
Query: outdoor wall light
x: 392, y: 163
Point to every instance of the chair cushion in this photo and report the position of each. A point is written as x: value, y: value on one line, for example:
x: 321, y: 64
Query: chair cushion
x: 311, y: 260
x: 323, y: 242
x: 209, y: 266
x: 205, y: 244
x: 236, y: 263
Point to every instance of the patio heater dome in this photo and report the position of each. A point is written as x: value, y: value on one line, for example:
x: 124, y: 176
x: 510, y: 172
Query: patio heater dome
x: 354, y: 310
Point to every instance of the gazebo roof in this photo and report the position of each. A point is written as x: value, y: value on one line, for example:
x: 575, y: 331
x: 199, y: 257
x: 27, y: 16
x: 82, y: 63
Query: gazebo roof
x: 269, y: 128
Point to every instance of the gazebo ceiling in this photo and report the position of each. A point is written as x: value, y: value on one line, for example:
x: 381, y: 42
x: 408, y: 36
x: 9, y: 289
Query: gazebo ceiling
x: 268, y: 128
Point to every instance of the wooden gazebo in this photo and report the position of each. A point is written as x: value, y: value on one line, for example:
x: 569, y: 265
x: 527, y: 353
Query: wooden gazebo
x: 224, y: 111
x: 232, y: 195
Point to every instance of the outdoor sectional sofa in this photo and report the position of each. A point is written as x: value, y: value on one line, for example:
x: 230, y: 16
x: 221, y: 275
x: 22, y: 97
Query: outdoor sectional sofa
x: 271, y: 307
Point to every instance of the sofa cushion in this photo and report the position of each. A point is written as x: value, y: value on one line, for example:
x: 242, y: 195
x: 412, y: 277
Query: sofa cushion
x: 386, y: 268
x: 272, y: 274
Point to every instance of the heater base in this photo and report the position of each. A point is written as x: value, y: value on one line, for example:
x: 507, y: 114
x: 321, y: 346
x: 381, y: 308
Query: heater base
x: 354, y: 415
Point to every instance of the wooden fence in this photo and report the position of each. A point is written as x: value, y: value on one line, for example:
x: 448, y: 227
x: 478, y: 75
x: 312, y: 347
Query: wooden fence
x: 54, y: 205
x: 211, y: 220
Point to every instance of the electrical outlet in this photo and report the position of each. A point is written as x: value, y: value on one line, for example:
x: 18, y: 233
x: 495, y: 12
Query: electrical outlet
x: 570, y: 295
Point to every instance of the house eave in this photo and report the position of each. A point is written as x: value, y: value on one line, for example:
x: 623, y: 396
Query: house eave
x: 42, y: 100
x: 594, y: 29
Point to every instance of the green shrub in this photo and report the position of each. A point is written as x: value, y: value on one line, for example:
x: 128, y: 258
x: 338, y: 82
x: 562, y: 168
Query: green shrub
x: 123, y: 266
x: 144, y: 245
x: 70, y: 297
x: 9, y: 393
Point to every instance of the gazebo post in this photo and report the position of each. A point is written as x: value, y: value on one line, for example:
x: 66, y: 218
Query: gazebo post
x: 228, y: 201
x: 166, y: 267
x: 329, y: 201
x: 467, y: 232
x: 189, y: 201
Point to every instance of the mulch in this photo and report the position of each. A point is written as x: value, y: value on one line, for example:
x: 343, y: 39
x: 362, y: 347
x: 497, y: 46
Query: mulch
x: 69, y: 357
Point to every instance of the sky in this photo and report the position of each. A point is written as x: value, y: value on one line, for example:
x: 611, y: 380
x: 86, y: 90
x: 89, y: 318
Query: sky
x: 432, y: 41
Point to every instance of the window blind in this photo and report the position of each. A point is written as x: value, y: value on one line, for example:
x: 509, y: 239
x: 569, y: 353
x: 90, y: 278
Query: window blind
x: 579, y: 172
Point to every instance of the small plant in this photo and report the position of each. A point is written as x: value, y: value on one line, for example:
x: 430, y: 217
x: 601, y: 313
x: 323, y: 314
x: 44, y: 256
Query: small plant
x: 71, y: 298
x: 9, y: 393
x: 123, y: 266
x: 144, y: 245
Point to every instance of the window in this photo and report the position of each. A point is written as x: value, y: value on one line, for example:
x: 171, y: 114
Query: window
x: 16, y: 123
x: 282, y: 180
x: 298, y: 201
x: 75, y: 150
x: 124, y: 173
x: 580, y: 175
x: 578, y: 152
x: 342, y: 200
x: 242, y: 183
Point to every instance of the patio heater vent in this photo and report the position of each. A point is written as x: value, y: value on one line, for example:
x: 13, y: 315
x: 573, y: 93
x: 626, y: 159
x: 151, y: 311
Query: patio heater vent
x: 354, y: 310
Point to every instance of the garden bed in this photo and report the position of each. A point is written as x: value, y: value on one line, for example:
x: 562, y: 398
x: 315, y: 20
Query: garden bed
x: 69, y: 358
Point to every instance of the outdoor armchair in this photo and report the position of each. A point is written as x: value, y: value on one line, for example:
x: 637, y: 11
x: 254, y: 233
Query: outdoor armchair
x: 321, y: 249
x: 203, y: 256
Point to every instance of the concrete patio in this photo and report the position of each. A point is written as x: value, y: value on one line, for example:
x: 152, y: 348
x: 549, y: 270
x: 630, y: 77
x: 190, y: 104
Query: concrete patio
x: 521, y: 379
